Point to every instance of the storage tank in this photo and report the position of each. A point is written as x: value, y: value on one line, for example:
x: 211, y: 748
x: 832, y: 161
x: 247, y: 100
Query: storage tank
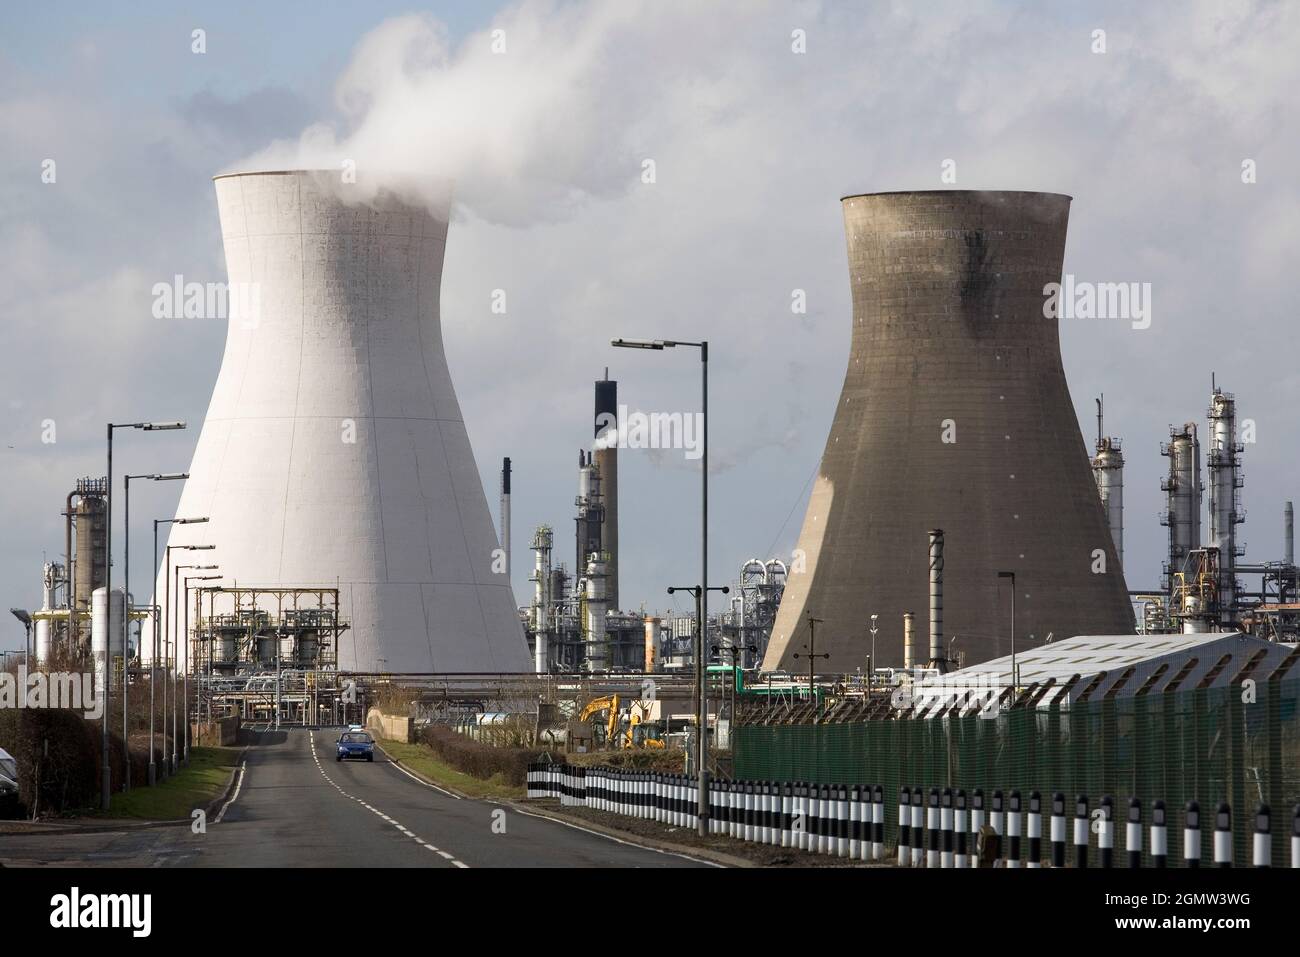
x: 106, y: 622
x: 954, y: 414
x: 334, y: 451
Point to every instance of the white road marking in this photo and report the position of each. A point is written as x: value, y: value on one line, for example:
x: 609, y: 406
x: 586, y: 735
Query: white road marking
x: 435, y: 787
x: 311, y: 739
x: 239, y: 782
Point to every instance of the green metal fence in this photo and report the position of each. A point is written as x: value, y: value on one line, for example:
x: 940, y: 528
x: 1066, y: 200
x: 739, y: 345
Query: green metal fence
x: 1239, y: 744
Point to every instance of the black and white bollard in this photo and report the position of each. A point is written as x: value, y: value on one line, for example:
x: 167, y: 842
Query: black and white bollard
x: 1263, y: 837
x: 997, y: 815
x: 976, y: 823
x: 1081, y: 831
x: 959, y: 827
x: 1035, y: 830
x: 1295, y: 837
x: 904, y: 826
x: 945, y: 825
x: 1159, y: 835
x: 856, y: 808
x: 918, y: 826
x: 932, y: 830
x: 1133, y: 833
x: 1058, y: 829
x: 1106, y: 839
x: 806, y: 836
x: 1192, y: 835
x: 1223, y: 836
x: 877, y: 823
x: 847, y: 802
x: 1012, y: 854
x: 826, y: 819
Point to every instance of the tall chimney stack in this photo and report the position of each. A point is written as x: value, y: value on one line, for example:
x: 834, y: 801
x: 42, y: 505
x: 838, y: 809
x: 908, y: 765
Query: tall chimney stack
x: 606, y: 422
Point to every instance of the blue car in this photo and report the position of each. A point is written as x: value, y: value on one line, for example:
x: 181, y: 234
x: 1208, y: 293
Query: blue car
x: 356, y: 744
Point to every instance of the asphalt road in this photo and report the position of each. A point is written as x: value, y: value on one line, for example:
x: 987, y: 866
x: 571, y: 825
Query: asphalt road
x: 297, y: 807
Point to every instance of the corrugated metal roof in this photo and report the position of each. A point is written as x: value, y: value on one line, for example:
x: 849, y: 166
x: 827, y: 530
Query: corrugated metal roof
x: 1110, y: 665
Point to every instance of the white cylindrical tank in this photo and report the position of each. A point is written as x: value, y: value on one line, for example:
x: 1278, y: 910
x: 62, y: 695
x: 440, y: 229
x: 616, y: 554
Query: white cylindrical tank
x: 106, y: 621
x: 42, y: 641
x: 597, y: 647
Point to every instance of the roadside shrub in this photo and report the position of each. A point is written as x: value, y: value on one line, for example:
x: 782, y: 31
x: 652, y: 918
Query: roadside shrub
x: 480, y: 760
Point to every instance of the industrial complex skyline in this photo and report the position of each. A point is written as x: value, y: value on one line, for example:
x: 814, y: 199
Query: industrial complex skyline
x: 1169, y: 137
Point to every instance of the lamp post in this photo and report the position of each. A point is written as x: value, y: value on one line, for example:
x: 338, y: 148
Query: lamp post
x: 169, y: 611
x: 659, y: 345
x: 174, y: 656
x: 25, y: 617
x: 185, y: 680
x: 1014, y: 678
x: 127, y: 601
x: 153, y: 651
x: 106, y: 777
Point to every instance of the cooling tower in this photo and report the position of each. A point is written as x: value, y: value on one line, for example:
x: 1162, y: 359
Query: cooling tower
x: 334, y: 450
x: 954, y: 414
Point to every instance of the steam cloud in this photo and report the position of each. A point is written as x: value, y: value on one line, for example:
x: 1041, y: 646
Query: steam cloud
x: 522, y: 117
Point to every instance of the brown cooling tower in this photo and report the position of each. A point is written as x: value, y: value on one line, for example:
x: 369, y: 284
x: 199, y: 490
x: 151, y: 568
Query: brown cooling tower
x: 954, y: 414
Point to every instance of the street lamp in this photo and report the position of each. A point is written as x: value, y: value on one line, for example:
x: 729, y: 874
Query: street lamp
x: 167, y: 613
x: 175, y: 648
x: 1012, y: 576
x: 23, y: 616
x: 128, y: 600
x: 659, y: 345
x: 153, y: 651
x: 106, y: 778
x: 185, y: 681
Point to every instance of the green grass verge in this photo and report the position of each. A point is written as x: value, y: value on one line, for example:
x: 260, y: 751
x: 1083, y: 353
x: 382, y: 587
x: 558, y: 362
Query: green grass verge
x: 420, y: 758
x: 193, y: 787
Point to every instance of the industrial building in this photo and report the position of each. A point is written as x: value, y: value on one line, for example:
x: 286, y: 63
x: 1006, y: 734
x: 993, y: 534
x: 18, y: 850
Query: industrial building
x: 954, y: 415
x: 334, y: 452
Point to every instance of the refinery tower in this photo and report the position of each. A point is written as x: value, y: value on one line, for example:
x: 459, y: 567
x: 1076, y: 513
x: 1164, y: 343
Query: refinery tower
x: 334, y: 452
x: 954, y: 415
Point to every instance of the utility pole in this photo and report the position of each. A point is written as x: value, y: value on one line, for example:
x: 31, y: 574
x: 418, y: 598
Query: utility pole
x: 812, y: 657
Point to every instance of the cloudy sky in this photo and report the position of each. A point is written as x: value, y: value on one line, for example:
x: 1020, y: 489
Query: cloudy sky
x: 753, y: 143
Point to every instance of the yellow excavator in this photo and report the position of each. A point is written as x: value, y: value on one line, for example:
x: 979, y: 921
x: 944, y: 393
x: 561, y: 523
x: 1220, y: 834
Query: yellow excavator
x: 607, y: 703
x: 615, y: 736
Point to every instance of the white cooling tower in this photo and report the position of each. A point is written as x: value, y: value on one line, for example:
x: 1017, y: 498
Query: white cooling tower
x: 334, y: 450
